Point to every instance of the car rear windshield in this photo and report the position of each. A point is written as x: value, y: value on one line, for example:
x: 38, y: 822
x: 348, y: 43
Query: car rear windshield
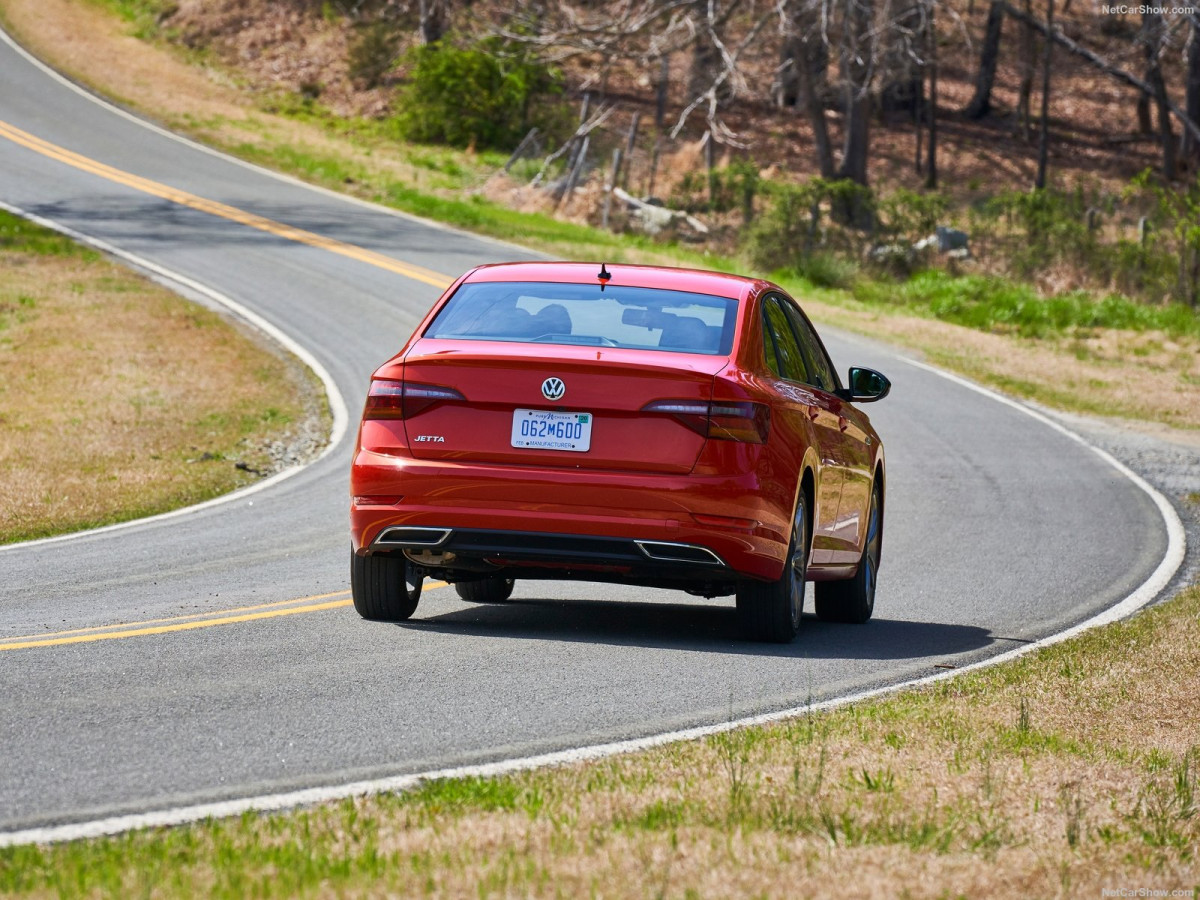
x: 582, y: 314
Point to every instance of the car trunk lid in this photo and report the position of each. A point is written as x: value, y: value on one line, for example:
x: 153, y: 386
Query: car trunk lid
x: 527, y: 404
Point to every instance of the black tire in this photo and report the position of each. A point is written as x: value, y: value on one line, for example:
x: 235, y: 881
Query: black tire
x: 770, y: 611
x: 488, y: 590
x: 853, y: 601
x: 385, y: 588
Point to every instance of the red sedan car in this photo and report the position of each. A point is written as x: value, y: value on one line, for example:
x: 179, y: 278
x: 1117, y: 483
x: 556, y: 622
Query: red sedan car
x: 630, y: 424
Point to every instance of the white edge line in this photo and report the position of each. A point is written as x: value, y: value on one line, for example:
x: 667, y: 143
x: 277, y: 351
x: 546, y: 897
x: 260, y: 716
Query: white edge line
x: 337, y: 405
x: 253, y: 167
x: 1144, y: 594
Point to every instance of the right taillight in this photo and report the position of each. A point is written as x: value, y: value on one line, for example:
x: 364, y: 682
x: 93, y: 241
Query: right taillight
x: 722, y: 420
x: 404, y: 399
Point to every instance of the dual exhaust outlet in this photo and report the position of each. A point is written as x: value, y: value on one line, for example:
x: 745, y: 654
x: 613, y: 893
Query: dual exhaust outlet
x: 423, y: 538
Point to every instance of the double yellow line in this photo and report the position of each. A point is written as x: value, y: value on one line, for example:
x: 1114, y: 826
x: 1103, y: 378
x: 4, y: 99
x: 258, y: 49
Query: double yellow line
x: 231, y: 213
x: 177, y: 623
x: 315, y: 603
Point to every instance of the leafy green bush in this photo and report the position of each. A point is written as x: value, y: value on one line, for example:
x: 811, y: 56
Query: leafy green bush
x: 488, y: 94
x: 788, y: 229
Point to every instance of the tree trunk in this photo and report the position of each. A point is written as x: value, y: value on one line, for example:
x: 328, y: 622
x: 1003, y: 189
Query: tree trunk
x: 901, y: 68
x: 981, y: 103
x: 706, y: 62
x: 1153, y: 30
x: 807, y: 56
x: 1191, y: 146
x: 931, y: 175
x: 432, y: 18
x: 1025, y: 90
x: 1044, y: 141
x: 856, y: 72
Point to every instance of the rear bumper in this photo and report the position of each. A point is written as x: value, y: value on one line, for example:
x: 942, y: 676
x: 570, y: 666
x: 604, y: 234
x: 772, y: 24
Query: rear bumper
x: 581, y: 524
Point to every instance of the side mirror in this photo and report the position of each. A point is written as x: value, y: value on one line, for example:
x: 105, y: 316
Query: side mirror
x: 866, y: 386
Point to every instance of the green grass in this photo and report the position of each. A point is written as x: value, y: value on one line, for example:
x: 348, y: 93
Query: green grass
x: 142, y: 15
x: 995, y: 304
x: 22, y: 236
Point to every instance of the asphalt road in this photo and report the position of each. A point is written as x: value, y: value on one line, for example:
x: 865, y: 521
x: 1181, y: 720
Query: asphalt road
x: 1000, y: 530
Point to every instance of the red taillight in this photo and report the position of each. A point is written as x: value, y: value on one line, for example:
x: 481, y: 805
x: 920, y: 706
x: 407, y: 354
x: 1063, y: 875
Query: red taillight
x: 403, y: 400
x: 721, y: 420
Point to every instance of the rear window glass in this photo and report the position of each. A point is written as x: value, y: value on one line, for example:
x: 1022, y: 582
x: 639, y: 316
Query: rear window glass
x: 582, y: 314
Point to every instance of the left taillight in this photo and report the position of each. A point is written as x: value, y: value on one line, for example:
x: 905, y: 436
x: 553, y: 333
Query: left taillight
x: 721, y: 420
x: 403, y: 399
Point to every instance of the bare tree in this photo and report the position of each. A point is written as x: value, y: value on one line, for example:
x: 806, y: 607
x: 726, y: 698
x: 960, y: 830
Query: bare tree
x: 931, y: 171
x: 1044, y: 138
x: 1191, y: 145
x: 804, y: 67
x: 1154, y: 37
x: 1026, y: 51
x: 433, y: 20
x: 857, y: 58
x: 989, y: 56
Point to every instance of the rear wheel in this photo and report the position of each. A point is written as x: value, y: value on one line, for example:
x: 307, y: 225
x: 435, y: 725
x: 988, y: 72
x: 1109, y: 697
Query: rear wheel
x: 853, y: 600
x: 770, y: 611
x: 385, y: 588
x: 487, y: 590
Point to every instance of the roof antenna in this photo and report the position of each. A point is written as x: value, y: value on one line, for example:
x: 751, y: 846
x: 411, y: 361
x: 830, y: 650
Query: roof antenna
x: 604, y: 277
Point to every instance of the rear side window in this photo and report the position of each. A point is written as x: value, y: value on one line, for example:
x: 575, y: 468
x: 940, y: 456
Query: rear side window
x: 820, y: 368
x: 582, y: 314
x: 783, y: 351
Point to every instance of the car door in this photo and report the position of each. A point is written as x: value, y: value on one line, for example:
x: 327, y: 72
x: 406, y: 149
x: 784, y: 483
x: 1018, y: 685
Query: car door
x: 853, y: 452
x: 792, y: 384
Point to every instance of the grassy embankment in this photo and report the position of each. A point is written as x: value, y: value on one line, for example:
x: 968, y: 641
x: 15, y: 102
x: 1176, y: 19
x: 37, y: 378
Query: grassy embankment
x: 1068, y: 772
x: 118, y: 399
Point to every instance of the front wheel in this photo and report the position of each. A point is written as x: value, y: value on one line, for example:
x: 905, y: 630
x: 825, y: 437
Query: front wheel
x: 385, y: 588
x: 770, y: 611
x: 487, y: 590
x: 853, y: 600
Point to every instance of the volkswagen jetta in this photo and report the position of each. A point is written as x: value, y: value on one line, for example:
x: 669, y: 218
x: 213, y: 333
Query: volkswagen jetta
x: 631, y: 424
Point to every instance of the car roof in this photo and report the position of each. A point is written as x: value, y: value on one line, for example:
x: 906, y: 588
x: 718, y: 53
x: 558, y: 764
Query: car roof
x: 694, y: 281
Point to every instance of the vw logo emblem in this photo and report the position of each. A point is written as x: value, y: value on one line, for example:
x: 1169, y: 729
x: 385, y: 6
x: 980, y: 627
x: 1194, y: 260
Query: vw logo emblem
x: 553, y: 388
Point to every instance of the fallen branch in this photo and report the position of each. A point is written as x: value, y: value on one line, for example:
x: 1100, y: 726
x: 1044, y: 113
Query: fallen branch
x: 657, y: 218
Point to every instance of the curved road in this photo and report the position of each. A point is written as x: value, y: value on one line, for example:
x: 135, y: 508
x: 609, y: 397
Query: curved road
x: 1000, y: 531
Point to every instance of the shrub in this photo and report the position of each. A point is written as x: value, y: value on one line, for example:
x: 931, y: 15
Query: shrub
x: 721, y: 190
x: 912, y: 215
x: 372, y: 53
x: 488, y: 94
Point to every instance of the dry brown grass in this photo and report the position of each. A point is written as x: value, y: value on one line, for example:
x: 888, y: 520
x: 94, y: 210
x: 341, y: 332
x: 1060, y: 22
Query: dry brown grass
x: 1142, y: 377
x: 119, y: 399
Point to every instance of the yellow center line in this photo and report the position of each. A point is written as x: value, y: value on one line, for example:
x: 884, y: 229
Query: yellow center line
x: 231, y: 213
x: 201, y: 615
x: 224, y: 617
x: 165, y: 629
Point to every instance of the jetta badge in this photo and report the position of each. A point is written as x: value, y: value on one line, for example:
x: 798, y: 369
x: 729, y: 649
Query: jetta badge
x: 553, y: 388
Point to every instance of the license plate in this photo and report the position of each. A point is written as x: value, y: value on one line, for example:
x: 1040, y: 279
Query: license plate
x: 541, y: 429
